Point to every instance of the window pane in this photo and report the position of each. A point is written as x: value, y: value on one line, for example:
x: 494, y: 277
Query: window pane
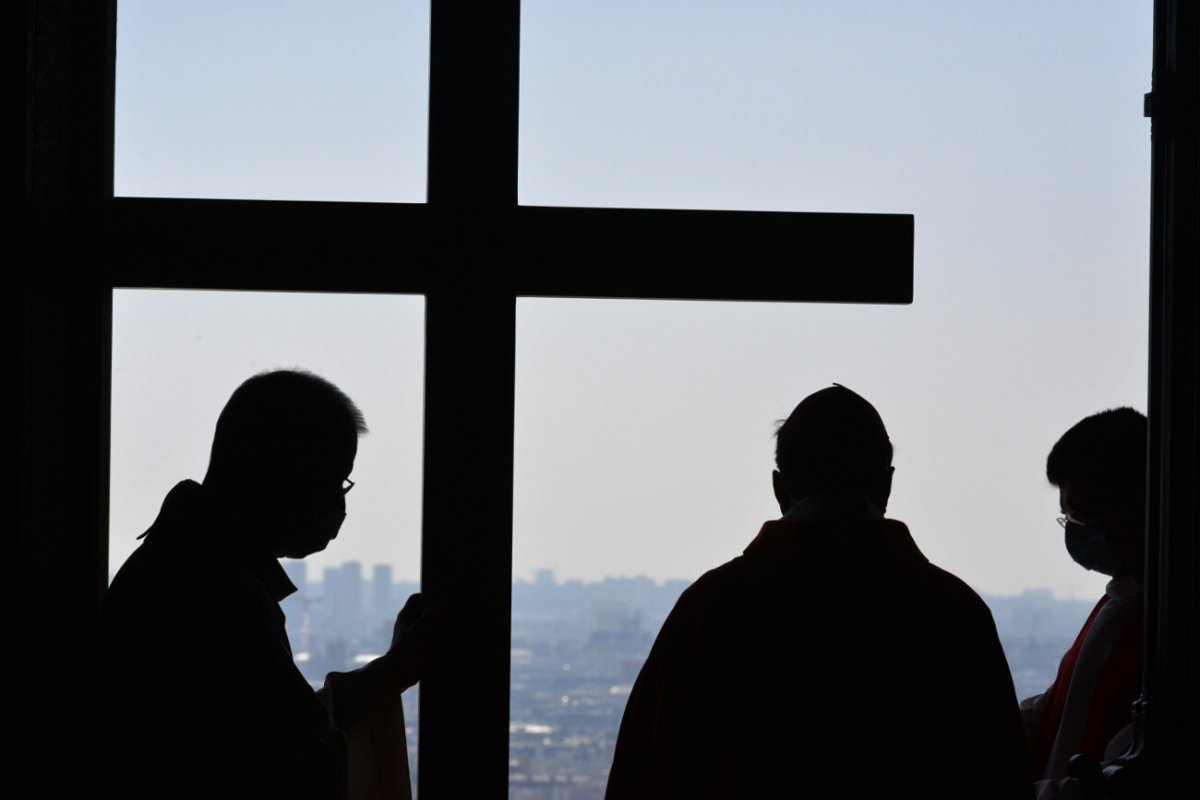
x: 644, y: 451
x: 177, y: 357
x: 644, y: 442
x: 923, y: 106
x: 272, y: 99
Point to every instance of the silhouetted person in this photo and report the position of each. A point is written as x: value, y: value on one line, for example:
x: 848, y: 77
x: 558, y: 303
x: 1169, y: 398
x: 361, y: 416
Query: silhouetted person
x: 1099, y: 468
x: 200, y: 694
x: 831, y: 659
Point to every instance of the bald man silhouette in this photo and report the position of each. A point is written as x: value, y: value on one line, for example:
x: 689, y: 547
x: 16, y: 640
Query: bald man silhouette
x: 830, y: 659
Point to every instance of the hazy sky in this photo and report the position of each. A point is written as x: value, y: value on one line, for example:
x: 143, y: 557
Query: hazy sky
x: 1013, y: 132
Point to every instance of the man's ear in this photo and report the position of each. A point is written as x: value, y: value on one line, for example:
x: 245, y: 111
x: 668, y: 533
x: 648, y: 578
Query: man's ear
x: 782, y: 496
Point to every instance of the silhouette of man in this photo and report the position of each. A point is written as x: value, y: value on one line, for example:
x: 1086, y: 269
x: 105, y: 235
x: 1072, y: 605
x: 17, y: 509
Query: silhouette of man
x: 200, y: 694
x: 1099, y: 468
x: 831, y: 659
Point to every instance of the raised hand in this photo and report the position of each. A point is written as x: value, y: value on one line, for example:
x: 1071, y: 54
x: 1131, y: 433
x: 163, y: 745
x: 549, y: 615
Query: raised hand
x: 406, y: 656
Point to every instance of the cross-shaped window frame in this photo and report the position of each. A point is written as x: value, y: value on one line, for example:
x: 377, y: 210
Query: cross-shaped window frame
x: 472, y: 250
x: 76, y: 244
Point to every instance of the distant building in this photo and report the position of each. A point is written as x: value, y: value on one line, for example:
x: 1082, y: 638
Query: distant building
x: 344, y: 600
x: 616, y: 627
x: 382, y: 603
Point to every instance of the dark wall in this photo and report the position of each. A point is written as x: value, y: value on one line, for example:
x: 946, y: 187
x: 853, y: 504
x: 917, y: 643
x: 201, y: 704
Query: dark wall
x: 55, y: 323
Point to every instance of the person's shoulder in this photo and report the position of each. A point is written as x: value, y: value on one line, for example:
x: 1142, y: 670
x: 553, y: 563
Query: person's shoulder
x: 700, y: 618
x: 148, y: 578
x: 951, y: 593
x: 166, y: 581
x: 720, y: 579
x: 719, y: 590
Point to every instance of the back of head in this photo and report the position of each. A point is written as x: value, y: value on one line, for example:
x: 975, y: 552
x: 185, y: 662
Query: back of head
x: 277, y: 428
x: 1107, y: 449
x: 834, y: 441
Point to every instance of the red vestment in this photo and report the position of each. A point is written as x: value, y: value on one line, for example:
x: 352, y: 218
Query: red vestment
x: 827, y: 661
x: 1110, y: 708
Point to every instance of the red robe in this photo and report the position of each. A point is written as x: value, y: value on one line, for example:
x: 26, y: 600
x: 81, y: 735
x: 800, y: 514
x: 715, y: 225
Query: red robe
x: 1110, y: 709
x: 827, y: 661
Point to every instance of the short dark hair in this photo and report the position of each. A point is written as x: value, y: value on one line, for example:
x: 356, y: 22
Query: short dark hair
x: 834, y: 440
x: 1108, y: 447
x: 279, y: 420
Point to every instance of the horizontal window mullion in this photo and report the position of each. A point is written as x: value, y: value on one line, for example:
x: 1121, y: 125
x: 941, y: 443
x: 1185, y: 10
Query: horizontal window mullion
x: 277, y: 246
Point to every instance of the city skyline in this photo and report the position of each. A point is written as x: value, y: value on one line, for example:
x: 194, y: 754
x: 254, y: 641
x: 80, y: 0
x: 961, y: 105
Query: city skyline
x: 354, y: 604
x: 576, y: 649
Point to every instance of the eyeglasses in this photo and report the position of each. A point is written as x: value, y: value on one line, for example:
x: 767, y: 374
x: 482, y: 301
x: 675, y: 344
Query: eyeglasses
x: 1074, y: 520
x: 346, y: 489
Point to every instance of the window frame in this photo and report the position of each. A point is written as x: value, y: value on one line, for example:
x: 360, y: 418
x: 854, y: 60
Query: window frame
x: 79, y: 243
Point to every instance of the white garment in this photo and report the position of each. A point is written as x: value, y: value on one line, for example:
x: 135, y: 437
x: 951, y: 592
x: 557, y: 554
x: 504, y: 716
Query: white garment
x: 834, y: 507
x: 1125, y: 596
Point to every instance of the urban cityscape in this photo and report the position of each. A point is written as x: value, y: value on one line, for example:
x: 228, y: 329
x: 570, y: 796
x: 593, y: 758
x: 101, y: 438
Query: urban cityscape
x: 576, y: 650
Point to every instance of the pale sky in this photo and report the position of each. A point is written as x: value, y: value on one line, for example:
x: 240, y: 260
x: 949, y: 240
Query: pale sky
x: 1013, y: 132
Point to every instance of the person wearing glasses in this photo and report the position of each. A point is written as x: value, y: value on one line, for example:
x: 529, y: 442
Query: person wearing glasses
x: 198, y: 693
x: 1099, y: 469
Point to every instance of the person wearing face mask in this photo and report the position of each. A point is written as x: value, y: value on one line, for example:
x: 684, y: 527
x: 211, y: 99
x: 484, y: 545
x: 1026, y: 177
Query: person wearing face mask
x: 198, y: 693
x: 1099, y: 469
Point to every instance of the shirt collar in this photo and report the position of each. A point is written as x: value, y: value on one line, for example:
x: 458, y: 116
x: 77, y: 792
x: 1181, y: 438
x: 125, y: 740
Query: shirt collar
x: 180, y: 509
x: 1123, y: 588
x: 270, y: 573
x: 780, y: 537
x: 839, y: 507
